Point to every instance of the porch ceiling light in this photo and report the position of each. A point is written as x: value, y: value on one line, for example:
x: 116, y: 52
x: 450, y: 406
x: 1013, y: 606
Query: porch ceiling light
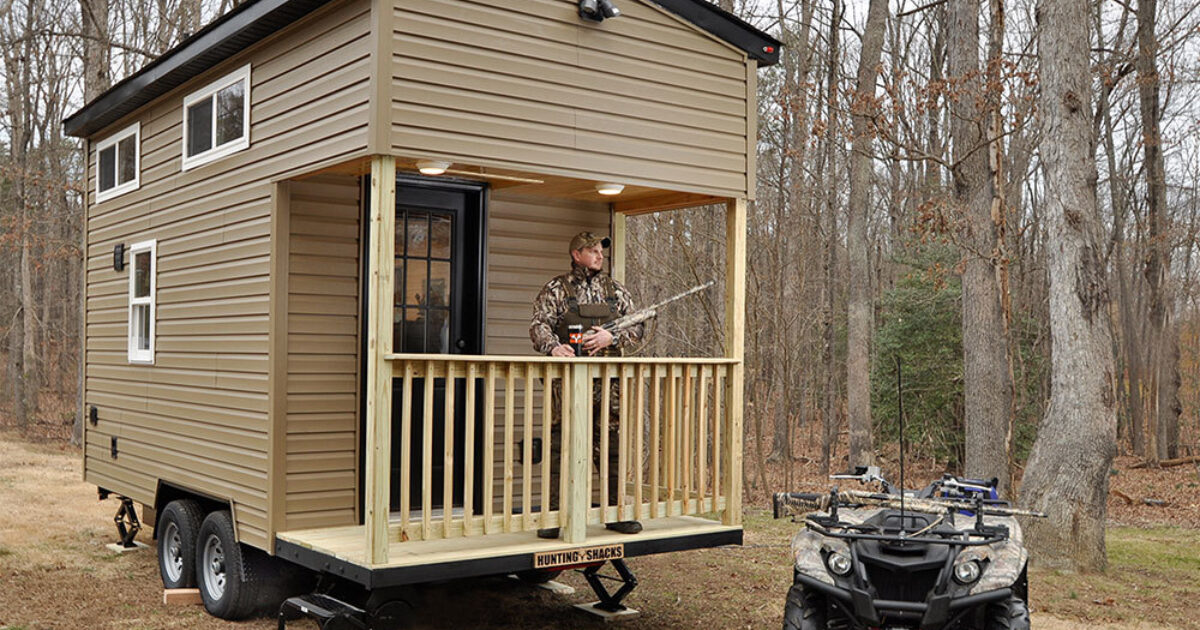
x: 609, y: 188
x: 432, y: 167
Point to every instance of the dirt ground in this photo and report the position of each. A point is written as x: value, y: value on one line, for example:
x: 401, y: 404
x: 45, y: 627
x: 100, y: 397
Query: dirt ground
x: 55, y: 571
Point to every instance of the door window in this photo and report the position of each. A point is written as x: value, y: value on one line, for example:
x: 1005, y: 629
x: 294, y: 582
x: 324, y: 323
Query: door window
x: 424, y: 299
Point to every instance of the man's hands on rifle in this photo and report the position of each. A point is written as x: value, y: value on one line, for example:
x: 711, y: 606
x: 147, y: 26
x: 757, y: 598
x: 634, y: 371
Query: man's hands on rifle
x: 597, y: 340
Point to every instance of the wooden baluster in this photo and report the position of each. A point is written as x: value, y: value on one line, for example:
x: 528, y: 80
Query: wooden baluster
x: 489, y: 447
x: 509, y: 409
x: 601, y: 431
x: 655, y: 391
x: 448, y: 451
x: 427, y: 455
x: 687, y: 455
x: 623, y: 394
x: 548, y: 375
x: 527, y: 451
x: 671, y: 459
x: 718, y: 452
x: 701, y: 437
x: 565, y: 435
x: 638, y: 459
x: 405, y: 453
x: 469, y: 450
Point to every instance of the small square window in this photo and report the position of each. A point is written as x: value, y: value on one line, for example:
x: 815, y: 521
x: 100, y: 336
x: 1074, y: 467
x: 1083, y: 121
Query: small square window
x: 142, y: 301
x: 117, y: 163
x: 216, y: 119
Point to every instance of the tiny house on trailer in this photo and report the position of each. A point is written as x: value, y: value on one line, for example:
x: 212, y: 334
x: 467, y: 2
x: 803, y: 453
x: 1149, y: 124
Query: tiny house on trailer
x: 314, y: 233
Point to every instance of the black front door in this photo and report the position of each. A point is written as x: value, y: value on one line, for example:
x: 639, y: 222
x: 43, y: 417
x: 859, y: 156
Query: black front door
x: 438, y: 309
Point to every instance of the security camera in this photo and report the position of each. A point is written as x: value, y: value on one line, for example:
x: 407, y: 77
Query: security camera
x: 597, y: 10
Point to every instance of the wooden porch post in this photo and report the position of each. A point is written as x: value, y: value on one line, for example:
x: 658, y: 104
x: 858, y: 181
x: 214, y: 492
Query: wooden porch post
x: 376, y: 490
x: 735, y: 344
x: 618, y: 247
x: 574, y: 506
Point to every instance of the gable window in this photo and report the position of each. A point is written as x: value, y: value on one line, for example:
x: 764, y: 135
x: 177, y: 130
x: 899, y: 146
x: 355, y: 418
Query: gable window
x: 117, y: 163
x: 216, y: 119
x: 143, y: 268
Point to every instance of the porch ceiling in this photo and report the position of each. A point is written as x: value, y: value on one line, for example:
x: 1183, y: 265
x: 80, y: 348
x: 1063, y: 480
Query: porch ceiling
x: 632, y: 200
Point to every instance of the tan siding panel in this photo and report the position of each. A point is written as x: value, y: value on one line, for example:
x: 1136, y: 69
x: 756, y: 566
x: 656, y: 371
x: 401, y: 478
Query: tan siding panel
x: 323, y: 328
x: 518, y: 85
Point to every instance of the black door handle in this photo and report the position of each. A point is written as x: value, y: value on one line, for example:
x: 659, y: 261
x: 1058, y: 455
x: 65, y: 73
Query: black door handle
x: 461, y: 343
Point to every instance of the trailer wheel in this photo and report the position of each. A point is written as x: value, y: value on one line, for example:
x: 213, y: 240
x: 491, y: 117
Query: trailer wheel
x: 177, y: 528
x: 538, y: 576
x: 221, y: 570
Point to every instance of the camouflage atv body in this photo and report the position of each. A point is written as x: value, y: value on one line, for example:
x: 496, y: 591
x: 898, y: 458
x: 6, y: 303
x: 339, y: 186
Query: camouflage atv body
x: 860, y: 565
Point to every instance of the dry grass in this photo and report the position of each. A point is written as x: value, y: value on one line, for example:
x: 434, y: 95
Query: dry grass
x: 56, y: 573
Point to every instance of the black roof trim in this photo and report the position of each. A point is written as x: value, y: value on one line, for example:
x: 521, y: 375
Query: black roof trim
x: 226, y: 36
x: 254, y: 20
x: 758, y: 45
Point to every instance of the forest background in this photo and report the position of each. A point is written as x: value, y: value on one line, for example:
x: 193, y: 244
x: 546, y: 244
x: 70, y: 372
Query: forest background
x: 903, y: 212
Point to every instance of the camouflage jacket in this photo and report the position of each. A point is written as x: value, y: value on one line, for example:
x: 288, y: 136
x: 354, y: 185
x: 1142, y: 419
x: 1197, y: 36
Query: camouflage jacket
x: 589, y: 287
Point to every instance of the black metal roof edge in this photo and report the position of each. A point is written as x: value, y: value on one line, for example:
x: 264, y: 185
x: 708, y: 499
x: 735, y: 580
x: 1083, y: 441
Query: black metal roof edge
x: 729, y: 27
x: 191, y: 57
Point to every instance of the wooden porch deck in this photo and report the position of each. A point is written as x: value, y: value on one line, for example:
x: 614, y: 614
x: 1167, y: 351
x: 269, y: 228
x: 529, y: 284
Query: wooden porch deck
x: 348, y: 544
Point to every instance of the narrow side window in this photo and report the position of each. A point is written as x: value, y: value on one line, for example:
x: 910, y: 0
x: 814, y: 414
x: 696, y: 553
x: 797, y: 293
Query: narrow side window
x: 143, y: 268
x: 216, y: 119
x: 118, y: 163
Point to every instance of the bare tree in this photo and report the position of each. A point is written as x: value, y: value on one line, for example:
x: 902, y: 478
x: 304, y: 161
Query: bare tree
x: 978, y: 192
x: 860, y: 318
x: 1067, y: 474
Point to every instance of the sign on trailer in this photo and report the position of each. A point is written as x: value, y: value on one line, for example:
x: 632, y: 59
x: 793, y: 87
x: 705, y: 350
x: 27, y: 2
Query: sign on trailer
x: 583, y: 555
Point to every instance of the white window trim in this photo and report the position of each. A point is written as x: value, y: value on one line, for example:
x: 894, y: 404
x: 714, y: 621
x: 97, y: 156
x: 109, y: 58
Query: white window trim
x: 136, y: 130
x: 207, y: 92
x: 137, y: 355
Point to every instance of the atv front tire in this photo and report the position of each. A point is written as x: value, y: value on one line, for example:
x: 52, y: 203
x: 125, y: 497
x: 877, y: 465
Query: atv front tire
x: 805, y: 610
x: 1010, y: 614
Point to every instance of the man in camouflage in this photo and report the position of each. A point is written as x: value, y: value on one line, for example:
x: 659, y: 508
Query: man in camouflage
x: 588, y: 297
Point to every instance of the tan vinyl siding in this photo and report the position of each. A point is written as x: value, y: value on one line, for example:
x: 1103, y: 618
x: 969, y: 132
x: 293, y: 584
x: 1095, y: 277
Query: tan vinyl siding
x: 527, y: 246
x: 647, y: 98
x: 322, y: 347
x: 199, y: 416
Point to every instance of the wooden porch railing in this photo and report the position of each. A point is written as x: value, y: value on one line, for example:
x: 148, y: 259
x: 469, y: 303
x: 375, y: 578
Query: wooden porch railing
x: 674, y: 457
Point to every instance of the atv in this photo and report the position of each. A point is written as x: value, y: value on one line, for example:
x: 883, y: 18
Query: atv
x: 947, y: 557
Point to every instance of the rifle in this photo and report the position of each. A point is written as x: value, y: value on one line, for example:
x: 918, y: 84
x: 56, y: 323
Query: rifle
x: 792, y: 502
x: 650, y: 312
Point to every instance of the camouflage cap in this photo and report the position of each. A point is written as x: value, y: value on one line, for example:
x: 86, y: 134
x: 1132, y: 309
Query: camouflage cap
x: 587, y: 239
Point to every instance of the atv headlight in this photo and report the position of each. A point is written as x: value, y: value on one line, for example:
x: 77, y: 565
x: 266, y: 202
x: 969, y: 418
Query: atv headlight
x: 967, y: 572
x: 838, y: 563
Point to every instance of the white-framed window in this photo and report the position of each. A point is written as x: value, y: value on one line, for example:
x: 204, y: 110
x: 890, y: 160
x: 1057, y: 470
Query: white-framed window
x: 118, y: 162
x: 143, y: 267
x: 216, y: 119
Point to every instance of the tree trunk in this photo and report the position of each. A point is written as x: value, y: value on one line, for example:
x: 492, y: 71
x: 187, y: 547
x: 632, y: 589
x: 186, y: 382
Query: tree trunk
x: 829, y: 401
x: 1161, y: 366
x: 858, y: 359
x: 1067, y: 473
x: 987, y: 384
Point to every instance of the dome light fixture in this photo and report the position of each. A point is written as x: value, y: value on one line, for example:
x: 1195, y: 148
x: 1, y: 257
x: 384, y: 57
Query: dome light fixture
x: 432, y: 167
x: 609, y: 188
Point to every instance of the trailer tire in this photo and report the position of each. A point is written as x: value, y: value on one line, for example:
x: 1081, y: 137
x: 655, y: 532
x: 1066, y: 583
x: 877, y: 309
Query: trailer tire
x: 538, y: 576
x: 221, y: 570
x: 176, y: 530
